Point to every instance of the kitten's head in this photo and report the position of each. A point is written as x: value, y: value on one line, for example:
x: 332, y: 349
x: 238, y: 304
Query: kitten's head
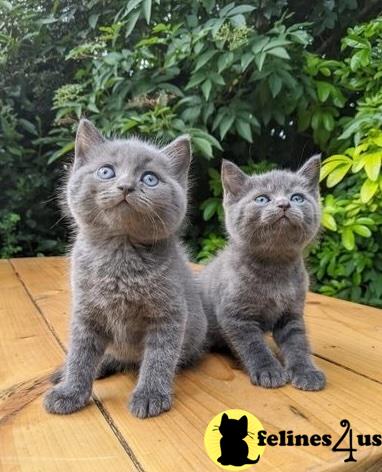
x: 233, y: 428
x: 128, y: 187
x: 274, y: 212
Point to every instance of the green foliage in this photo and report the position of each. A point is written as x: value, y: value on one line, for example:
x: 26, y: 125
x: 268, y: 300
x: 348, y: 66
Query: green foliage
x: 32, y: 40
x: 205, y: 73
x: 348, y: 262
x: 266, y: 80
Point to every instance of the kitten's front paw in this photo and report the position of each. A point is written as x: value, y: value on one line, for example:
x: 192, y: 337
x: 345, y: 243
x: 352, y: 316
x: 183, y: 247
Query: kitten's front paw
x: 62, y: 400
x: 273, y: 376
x: 310, y: 379
x: 144, y: 404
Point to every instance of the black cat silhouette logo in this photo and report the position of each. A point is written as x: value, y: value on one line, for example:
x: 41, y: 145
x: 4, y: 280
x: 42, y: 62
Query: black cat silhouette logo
x: 230, y: 440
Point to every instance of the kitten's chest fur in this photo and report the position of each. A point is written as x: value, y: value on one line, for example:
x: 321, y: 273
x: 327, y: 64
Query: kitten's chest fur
x: 272, y: 290
x: 125, y: 288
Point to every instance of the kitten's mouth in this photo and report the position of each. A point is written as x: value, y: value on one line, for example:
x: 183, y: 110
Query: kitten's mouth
x: 283, y: 219
x: 123, y: 202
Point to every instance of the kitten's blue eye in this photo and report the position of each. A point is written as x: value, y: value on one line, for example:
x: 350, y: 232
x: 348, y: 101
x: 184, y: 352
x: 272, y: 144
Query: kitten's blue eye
x: 106, y: 172
x: 150, y: 179
x: 262, y: 199
x: 297, y: 198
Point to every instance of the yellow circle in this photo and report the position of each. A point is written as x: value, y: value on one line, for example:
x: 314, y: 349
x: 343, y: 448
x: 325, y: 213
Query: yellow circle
x: 231, y: 440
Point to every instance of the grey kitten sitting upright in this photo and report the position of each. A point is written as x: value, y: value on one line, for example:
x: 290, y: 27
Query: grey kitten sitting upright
x: 258, y: 282
x: 134, y: 299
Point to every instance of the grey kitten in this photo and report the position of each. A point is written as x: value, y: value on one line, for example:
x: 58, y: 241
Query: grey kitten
x: 258, y: 282
x: 135, y: 302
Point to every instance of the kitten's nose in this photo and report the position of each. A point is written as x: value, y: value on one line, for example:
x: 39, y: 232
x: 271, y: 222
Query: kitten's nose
x: 283, y: 203
x: 126, y: 188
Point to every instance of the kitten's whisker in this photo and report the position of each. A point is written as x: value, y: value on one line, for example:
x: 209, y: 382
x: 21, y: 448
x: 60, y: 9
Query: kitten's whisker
x: 58, y: 221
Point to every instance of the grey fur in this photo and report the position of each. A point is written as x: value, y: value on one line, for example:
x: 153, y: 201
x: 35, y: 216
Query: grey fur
x: 135, y: 302
x: 258, y: 282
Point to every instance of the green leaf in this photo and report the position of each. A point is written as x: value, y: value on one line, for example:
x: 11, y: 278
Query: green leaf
x: 246, y: 59
x: 224, y: 61
x: 348, y: 239
x: 93, y: 20
x: 226, y: 124
x: 328, y: 221
x: 362, y: 230
x: 259, y: 59
x: 61, y: 152
x: 359, y: 60
x: 146, y: 7
x: 337, y: 175
x: 364, y: 220
x: 328, y: 121
x: 27, y: 125
x: 196, y: 79
x: 368, y: 190
x: 358, y: 163
x: 373, y: 165
x: 203, y: 59
x: 244, y: 129
x: 131, y: 4
x: 275, y: 84
x: 377, y: 139
x: 304, y: 120
x: 203, y: 146
x: 237, y: 20
x: 217, y: 78
x: 279, y: 52
x: 259, y: 44
x: 206, y: 88
x: 209, y: 208
x: 276, y: 43
x: 323, y: 90
x: 224, y: 11
x: 131, y: 22
x: 328, y: 167
x: 93, y: 107
x: 241, y: 9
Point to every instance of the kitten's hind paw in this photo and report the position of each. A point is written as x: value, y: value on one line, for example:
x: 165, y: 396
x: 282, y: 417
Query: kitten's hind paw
x: 144, y: 404
x: 309, y: 379
x: 62, y: 400
x: 270, y: 377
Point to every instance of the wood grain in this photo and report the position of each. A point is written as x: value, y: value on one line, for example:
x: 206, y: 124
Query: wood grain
x: 30, y: 439
x: 174, y: 441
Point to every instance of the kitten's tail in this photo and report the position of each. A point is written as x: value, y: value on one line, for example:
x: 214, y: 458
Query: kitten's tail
x: 250, y: 461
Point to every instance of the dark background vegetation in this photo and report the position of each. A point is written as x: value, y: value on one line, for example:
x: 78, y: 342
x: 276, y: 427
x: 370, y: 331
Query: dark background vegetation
x: 261, y: 83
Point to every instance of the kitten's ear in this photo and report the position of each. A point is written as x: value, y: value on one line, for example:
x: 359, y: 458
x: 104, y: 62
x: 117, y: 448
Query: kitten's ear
x: 233, y: 178
x: 244, y: 422
x: 224, y: 418
x: 86, y: 137
x: 179, y: 152
x: 311, y: 171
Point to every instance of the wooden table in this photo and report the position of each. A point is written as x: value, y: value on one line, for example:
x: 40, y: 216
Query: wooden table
x: 34, y: 312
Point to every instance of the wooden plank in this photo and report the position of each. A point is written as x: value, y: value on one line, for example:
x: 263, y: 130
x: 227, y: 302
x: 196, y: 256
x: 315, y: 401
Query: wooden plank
x: 30, y: 439
x: 344, y: 333
x: 174, y: 441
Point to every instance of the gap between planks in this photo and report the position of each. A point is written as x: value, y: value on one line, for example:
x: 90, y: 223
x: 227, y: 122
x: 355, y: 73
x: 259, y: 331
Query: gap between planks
x: 109, y: 420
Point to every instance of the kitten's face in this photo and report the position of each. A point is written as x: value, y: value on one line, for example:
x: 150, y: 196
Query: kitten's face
x: 128, y: 187
x: 275, y: 211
